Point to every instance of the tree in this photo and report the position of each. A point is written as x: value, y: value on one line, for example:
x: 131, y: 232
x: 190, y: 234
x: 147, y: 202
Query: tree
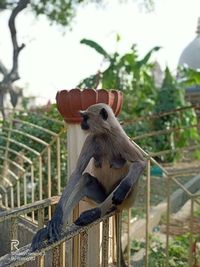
x: 127, y: 73
x: 59, y: 11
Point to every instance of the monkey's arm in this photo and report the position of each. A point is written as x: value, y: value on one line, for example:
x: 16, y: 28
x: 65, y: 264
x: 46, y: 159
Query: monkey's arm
x: 137, y: 166
x: 67, y: 200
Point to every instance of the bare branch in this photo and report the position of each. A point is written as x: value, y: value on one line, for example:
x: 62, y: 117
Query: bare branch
x: 14, y: 75
x: 3, y: 69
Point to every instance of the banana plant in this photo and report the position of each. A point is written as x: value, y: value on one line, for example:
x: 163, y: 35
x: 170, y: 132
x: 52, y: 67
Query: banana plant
x: 127, y: 73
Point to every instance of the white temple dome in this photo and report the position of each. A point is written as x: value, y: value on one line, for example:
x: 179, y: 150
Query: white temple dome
x: 191, y: 54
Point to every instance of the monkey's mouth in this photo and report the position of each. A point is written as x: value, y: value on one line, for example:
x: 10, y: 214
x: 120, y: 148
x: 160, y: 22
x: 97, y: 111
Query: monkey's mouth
x: 84, y: 126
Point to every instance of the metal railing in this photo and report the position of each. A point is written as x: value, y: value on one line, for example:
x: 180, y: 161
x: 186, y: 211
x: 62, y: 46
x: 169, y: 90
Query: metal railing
x: 26, y: 165
x: 155, y: 219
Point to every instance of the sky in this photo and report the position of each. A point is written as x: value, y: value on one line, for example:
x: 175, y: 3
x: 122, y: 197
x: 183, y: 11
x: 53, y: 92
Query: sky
x: 54, y: 59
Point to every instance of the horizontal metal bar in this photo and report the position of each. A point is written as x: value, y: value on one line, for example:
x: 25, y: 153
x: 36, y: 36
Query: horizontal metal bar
x: 40, y: 141
x: 25, y: 254
x: 20, y: 144
x: 6, y: 180
x: 13, y: 163
x: 159, y: 115
x: 36, y: 126
x: 167, y: 131
x: 16, y: 178
x: 5, y: 215
x: 17, y: 153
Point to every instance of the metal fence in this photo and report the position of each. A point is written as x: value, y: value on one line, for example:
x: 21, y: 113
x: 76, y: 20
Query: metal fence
x: 179, y: 184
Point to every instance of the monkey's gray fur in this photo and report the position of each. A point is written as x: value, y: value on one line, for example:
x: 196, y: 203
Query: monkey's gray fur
x: 112, y: 182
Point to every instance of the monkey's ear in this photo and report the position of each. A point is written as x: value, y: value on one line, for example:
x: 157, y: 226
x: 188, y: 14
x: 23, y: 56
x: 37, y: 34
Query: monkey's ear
x: 104, y: 113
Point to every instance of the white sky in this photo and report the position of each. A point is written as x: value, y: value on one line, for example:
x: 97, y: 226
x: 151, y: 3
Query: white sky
x: 52, y: 61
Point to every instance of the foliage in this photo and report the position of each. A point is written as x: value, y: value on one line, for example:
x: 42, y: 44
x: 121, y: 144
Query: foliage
x: 134, y: 77
x: 171, y: 97
x: 127, y: 73
x: 61, y: 11
x: 178, y: 251
x: 188, y: 77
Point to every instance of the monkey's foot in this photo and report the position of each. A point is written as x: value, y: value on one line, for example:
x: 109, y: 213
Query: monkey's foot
x: 121, y: 192
x: 88, y: 217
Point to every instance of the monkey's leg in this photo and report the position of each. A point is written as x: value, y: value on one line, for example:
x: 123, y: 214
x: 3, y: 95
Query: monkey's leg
x: 116, y: 197
x: 88, y: 186
x: 128, y: 183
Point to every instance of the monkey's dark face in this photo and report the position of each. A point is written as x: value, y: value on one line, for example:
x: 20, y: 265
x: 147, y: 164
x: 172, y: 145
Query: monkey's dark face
x: 94, y: 121
x: 84, y: 122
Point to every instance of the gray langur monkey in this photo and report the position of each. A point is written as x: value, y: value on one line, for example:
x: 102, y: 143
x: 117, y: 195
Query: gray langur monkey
x: 116, y: 165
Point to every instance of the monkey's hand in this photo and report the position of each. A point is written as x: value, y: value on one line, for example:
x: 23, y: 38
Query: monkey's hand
x: 88, y: 217
x: 39, y: 238
x: 54, y: 228
x: 121, y: 192
x: 51, y: 232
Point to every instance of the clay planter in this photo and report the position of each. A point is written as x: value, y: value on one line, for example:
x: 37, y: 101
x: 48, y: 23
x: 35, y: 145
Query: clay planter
x: 70, y: 102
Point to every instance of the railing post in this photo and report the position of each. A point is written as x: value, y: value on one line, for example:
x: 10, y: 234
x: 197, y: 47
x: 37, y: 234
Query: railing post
x: 84, y: 249
x: 105, y: 243
x: 14, y: 233
x: 41, y: 259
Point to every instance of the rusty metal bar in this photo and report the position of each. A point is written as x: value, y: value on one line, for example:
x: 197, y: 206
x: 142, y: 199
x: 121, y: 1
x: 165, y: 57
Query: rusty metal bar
x: 159, y: 115
x: 105, y: 242
x: 148, y: 187
x: 11, y: 197
x: 32, y: 137
x: 128, y: 238
x: 49, y: 177
x: 26, y: 254
x: 40, y: 178
x: 114, y: 241
x: 1, y: 203
x: 181, y: 186
x: 41, y: 259
x: 191, y: 235
x: 168, y: 219
x: 155, y: 133
x: 84, y: 249
x: 14, y: 233
x: 25, y: 190
x: 118, y: 237
x: 5, y: 215
x: 58, y: 166
x: 18, y: 193
x: 56, y: 257
x: 17, y: 154
x: 62, y: 251
x: 21, y: 145
x: 36, y: 126
x: 32, y: 189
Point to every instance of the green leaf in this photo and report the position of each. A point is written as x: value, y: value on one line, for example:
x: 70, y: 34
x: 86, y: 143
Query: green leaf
x: 147, y: 57
x: 95, y: 46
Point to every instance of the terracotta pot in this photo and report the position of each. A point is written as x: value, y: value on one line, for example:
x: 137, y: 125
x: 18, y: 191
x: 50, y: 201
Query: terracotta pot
x: 70, y: 102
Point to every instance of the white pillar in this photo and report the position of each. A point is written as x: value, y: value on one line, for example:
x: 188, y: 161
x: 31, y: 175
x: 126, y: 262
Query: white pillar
x: 75, y: 140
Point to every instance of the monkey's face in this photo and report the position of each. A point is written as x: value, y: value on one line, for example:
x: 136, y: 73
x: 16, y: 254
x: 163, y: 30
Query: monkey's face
x: 95, y: 120
x: 84, y: 123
